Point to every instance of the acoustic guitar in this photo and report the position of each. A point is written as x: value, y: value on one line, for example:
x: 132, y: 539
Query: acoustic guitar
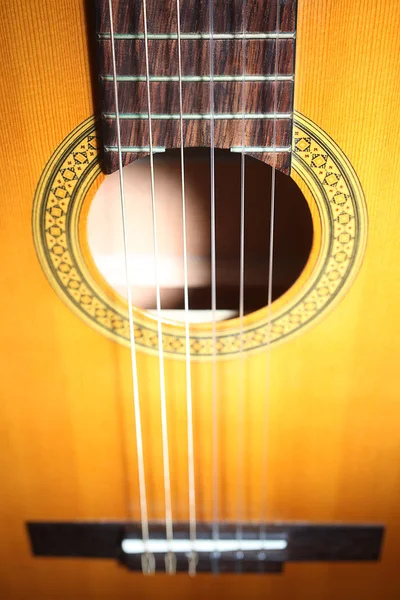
x: 200, y: 325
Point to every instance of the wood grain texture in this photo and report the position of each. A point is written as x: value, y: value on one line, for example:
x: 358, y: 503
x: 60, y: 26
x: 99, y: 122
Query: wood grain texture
x: 66, y: 442
x: 263, y: 57
x: 260, y: 16
x: 196, y: 95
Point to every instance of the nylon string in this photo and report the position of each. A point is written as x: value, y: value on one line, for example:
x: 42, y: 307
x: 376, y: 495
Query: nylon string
x: 170, y: 561
x: 148, y: 564
x: 264, y: 485
x: 215, y: 469
x: 189, y: 403
x: 240, y: 463
x: 170, y: 565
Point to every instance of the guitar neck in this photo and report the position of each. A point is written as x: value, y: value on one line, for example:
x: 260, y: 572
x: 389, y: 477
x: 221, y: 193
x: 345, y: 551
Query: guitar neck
x: 240, y: 95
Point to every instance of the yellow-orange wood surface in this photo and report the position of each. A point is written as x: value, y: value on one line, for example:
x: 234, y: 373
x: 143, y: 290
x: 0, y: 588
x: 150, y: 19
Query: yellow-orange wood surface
x: 66, y: 417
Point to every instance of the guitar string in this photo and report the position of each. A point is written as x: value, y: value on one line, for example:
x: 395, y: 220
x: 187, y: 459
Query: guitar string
x: 169, y: 527
x: 215, y: 428
x: 240, y: 462
x: 169, y: 561
x: 189, y: 403
x: 134, y: 371
x: 264, y: 485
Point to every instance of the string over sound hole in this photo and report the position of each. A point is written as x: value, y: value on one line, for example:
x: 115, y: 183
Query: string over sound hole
x: 292, y: 245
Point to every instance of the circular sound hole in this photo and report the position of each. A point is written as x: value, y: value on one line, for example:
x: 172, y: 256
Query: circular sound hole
x: 293, y: 233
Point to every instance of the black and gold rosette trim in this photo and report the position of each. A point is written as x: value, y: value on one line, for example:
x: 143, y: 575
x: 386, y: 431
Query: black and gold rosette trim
x: 75, y: 165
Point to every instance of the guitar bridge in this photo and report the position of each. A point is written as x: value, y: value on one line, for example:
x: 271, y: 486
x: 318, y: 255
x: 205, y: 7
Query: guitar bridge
x: 251, y: 553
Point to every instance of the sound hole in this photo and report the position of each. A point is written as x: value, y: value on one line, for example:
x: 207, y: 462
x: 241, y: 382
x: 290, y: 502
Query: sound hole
x: 293, y: 233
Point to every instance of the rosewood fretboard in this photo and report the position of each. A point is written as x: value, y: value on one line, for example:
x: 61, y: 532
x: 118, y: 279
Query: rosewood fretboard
x: 268, y: 78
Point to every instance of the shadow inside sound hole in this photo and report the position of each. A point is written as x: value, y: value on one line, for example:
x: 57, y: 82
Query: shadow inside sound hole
x: 293, y: 231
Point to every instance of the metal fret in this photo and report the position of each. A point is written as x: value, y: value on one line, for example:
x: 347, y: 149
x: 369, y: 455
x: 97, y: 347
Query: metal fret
x: 198, y: 116
x: 290, y: 35
x: 261, y: 149
x: 197, y: 78
x: 139, y: 149
x: 253, y: 149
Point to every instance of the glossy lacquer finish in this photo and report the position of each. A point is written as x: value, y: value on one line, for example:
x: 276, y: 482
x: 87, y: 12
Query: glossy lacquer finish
x: 67, y: 447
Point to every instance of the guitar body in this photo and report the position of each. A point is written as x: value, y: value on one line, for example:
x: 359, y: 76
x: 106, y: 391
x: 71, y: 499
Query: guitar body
x: 67, y: 443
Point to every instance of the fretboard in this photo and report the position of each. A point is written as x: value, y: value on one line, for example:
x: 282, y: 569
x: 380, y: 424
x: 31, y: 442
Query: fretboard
x: 252, y: 78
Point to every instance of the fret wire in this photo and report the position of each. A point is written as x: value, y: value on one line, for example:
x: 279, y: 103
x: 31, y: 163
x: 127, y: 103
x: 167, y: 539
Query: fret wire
x: 258, y: 149
x: 145, y: 149
x: 199, y: 116
x: 156, y: 149
x: 200, y: 36
x: 196, y: 78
